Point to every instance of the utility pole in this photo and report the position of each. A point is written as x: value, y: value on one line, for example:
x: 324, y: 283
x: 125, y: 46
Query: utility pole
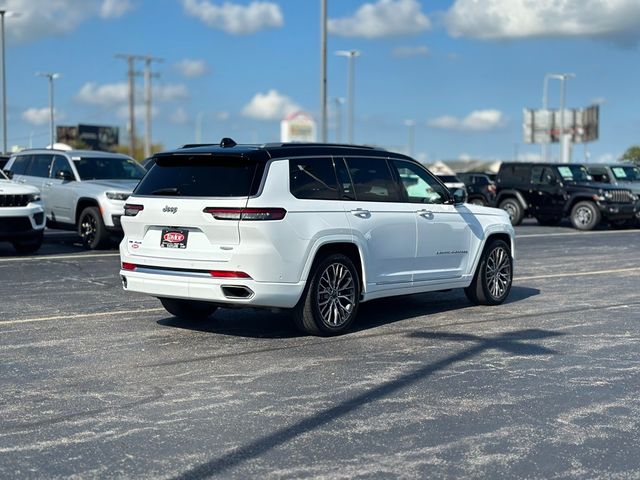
x: 351, y: 56
x: 147, y: 101
x: 323, y: 70
x: 131, y: 73
x: 339, y: 101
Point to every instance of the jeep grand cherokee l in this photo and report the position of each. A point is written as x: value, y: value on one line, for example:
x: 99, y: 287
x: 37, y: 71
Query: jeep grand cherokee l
x: 313, y: 228
x: 81, y: 189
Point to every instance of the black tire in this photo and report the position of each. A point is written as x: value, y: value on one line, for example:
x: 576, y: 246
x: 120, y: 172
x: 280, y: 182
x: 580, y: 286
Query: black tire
x: 93, y: 233
x: 27, y: 246
x: 492, y: 281
x: 514, y: 209
x: 478, y: 201
x: 330, y: 277
x: 188, y: 309
x: 549, y: 221
x: 585, y: 215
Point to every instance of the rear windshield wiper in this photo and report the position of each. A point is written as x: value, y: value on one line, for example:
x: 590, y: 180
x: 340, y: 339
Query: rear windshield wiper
x: 167, y: 191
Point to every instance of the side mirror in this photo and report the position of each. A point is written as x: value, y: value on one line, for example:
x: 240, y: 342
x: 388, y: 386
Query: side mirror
x: 459, y: 196
x: 64, y: 175
x: 551, y: 180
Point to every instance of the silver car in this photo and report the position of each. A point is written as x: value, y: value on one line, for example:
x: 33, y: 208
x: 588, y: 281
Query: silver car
x: 81, y: 189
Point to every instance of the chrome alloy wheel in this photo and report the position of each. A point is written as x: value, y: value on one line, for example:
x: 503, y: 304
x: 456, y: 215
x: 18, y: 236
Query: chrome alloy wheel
x: 88, y: 228
x: 336, y: 295
x: 511, y: 210
x: 498, y: 272
x: 584, y: 216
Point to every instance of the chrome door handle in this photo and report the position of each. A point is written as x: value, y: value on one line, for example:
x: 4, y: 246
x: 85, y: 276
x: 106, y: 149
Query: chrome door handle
x: 361, y: 213
x: 428, y: 214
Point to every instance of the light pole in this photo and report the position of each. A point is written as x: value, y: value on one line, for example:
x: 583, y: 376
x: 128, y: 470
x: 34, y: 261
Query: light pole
x: 545, y: 101
x: 4, y: 13
x: 339, y: 101
x: 51, y: 77
x: 351, y: 55
x: 323, y: 70
x: 565, y: 148
x: 411, y: 125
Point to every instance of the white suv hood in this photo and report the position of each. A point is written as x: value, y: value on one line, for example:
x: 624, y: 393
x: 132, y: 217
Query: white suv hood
x: 9, y: 188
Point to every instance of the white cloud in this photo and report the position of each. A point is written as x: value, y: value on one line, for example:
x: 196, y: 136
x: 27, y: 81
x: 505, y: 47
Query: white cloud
x: 406, y: 52
x: 115, y: 8
x: 269, y: 106
x: 111, y: 94
x: 179, y: 117
x: 103, y: 95
x: 514, y: 19
x: 386, y: 18
x: 140, y: 111
x: 40, y: 116
x: 476, y: 121
x: 235, y: 18
x: 191, y: 68
x: 45, y: 18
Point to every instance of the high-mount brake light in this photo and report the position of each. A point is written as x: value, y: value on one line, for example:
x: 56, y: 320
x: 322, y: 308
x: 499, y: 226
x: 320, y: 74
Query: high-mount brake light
x: 228, y: 274
x: 131, y: 210
x: 128, y: 266
x: 249, y: 214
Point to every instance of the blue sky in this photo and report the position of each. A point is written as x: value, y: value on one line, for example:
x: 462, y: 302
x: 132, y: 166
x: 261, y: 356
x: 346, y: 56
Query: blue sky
x: 462, y: 69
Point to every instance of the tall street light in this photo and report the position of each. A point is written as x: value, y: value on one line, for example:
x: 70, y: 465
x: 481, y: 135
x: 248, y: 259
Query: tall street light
x: 4, y: 13
x: 545, y: 91
x: 51, y: 76
x: 411, y: 125
x: 339, y: 101
x: 351, y: 55
x: 545, y: 106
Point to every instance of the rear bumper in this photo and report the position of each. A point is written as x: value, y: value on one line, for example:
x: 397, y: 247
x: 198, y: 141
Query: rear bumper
x: 201, y: 286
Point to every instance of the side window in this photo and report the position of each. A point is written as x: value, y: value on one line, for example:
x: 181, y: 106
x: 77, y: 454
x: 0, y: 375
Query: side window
x: 420, y: 186
x: 515, y: 173
x: 60, y: 164
x: 542, y: 175
x: 372, y: 180
x: 344, y: 179
x: 20, y: 164
x: 40, y: 165
x: 313, y: 178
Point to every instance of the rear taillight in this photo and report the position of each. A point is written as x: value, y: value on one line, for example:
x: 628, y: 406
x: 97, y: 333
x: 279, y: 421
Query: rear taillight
x: 131, y: 210
x: 492, y: 188
x: 227, y: 274
x: 128, y: 266
x: 251, y: 214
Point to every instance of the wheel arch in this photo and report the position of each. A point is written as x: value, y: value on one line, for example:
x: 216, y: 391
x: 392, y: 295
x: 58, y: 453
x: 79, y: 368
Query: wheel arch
x: 82, y: 203
x: 498, y: 234
x: 571, y: 202
x: 505, y: 194
x: 330, y: 246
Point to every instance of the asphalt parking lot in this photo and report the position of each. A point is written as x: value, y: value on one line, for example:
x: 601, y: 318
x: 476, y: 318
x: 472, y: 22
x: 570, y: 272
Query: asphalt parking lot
x: 96, y: 382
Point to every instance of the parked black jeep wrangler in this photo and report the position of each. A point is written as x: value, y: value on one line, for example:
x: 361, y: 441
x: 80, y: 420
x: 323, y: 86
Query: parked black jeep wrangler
x: 551, y: 191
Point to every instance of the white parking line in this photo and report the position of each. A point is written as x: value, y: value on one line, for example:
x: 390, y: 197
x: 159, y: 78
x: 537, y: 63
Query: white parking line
x: 577, y: 274
x: 81, y: 315
x: 57, y: 257
x: 566, y: 234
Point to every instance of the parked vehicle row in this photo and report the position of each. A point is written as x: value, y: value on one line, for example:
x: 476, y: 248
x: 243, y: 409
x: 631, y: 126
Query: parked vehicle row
x: 551, y: 192
x: 315, y: 229
x: 81, y: 190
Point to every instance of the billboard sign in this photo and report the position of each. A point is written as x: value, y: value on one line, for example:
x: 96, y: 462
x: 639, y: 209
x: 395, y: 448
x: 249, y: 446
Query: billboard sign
x: 95, y: 137
x: 544, y: 126
x: 298, y: 127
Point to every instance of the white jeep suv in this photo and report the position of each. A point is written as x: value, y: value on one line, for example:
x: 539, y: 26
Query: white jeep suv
x: 313, y: 228
x: 21, y: 215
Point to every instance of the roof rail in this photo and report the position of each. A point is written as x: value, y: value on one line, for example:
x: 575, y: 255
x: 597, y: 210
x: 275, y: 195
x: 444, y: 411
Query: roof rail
x: 315, y: 144
x: 193, y: 145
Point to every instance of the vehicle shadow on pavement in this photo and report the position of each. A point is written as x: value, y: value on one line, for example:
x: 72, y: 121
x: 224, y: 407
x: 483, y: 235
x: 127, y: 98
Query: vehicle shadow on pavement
x: 255, y: 323
x: 516, y: 343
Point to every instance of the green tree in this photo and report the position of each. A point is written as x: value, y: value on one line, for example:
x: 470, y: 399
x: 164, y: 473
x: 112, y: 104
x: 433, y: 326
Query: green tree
x: 632, y: 155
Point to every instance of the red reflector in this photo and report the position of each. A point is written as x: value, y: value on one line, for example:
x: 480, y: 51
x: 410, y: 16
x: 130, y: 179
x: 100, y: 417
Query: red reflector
x: 128, y: 266
x: 252, y: 214
x: 131, y: 210
x: 227, y: 274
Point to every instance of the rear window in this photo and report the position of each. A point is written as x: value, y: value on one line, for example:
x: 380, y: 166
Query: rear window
x: 515, y: 173
x: 313, y: 178
x: 202, y: 176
